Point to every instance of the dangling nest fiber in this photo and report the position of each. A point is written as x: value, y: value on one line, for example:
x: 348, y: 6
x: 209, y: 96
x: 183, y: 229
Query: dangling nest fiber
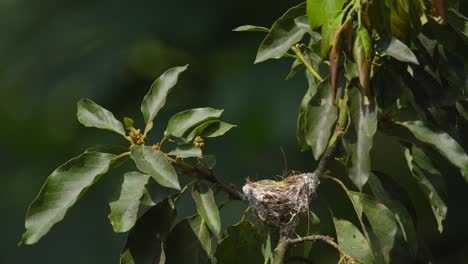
x: 279, y: 203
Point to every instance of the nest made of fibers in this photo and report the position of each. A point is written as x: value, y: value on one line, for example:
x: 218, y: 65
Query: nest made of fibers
x: 279, y: 203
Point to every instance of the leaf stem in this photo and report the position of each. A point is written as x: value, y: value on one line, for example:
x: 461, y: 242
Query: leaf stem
x: 297, y: 49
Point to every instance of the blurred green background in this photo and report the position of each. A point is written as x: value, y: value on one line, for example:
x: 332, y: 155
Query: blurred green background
x: 55, y: 52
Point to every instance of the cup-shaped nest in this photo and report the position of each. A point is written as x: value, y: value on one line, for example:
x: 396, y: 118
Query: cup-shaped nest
x: 279, y: 203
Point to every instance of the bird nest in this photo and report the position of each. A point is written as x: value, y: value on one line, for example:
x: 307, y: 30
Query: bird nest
x: 279, y: 203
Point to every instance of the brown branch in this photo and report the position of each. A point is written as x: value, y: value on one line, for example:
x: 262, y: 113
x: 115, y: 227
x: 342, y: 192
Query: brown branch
x: 208, y: 175
x: 285, y: 243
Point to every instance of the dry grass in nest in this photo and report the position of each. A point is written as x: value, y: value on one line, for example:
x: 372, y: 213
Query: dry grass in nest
x: 279, y: 203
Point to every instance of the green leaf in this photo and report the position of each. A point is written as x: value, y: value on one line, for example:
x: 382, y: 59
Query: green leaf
x: 209, y: 161
x: 459, y: 22
x: 154, y: 163
x: 155, y: 193
x: 91, y: 114
x: 359, y: 138
x: 302, y: 119
x: 285, y: 32
x: 328, y: 33
x: 295, y: 67
x: 437, y: 204
x: 207, y: 208
x: 211, y: 128
x: 145, y: 241
x: 124, y: 210
x: 242, y: 243
x: 381, y: 219
x: 362, y: 54
x: 252, y: 28
x: 200, y: 229
x: 352, y: 242
x: 61, y: 190
x: 398, y: 50
x: 186, y: 151
x: 319, y: 11
x: 267, y: 251
x: 128, y: 122
x: 183, y: 121
x: 399, y: 212
x: 321, y: 116
x: 442, y: 142
x: 183, y: 245
x: 155, y: 99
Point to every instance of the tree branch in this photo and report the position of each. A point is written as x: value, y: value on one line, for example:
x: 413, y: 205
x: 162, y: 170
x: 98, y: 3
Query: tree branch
x: 284, y: 244
x: 208, y: 175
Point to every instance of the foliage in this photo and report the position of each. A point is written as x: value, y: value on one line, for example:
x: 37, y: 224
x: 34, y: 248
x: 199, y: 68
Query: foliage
x: 388, y: 67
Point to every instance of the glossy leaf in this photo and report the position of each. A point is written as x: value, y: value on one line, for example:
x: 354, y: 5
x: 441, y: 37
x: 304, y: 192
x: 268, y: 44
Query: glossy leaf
x: 398, y: 50
x: 155, y: 99
x: 155, y: 193
x: 186, y: 151
x: 154, y: 163
x: 362, y: 55
x: 183, y: 245
x: 201, y: 231
x: 211, y: 128
x: 61, y: 190
x: 124, y: 210
x: 183, y: 121
x: 242, y: 243
x: 358, y: 139
x: 381, y: 219
x: 352, y: 242
x: 321, y: 116
x: 145, y: 240
x: 319, y: 11
x: 91, y: 114
x: 206, y: 207
x: 437, y: 204
x: 252, y: 28
x: 285, y: 32
x: 400, y: 213
x: 442, y: 142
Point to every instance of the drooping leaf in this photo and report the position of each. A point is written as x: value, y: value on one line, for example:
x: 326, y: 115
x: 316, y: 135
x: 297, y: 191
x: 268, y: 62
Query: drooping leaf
x: 362, y: 54
x: 398, y: 50
x: 267, y: 251
x: 183, y: 121
x: 442, y: 142
x: 155, y: 99
x: 154, y: 163
x: 328, y: 33
x: 206, y: 207
x: 184, y: 246
x: 381, y: 219
x: 285, y: 32
x: 459, y: 22
x: 211, y: 128
x: 145, y: 241
x: 124, y: 210
x: 321, y: 116
x: 209, y: 161
x: 295, y: 67
x: 319, y: 11
x: 302, y: 120
x: 61, y: 190
x: 91, y: 114
x: 399, y: 212
x: 334, y: 57
x: 242, y: 243
x: 200, y: 229
x: 252, y: 28
x: 186, y: 151
x: 358, y: 139
x: 352, y: 242
x: 438, y: 206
